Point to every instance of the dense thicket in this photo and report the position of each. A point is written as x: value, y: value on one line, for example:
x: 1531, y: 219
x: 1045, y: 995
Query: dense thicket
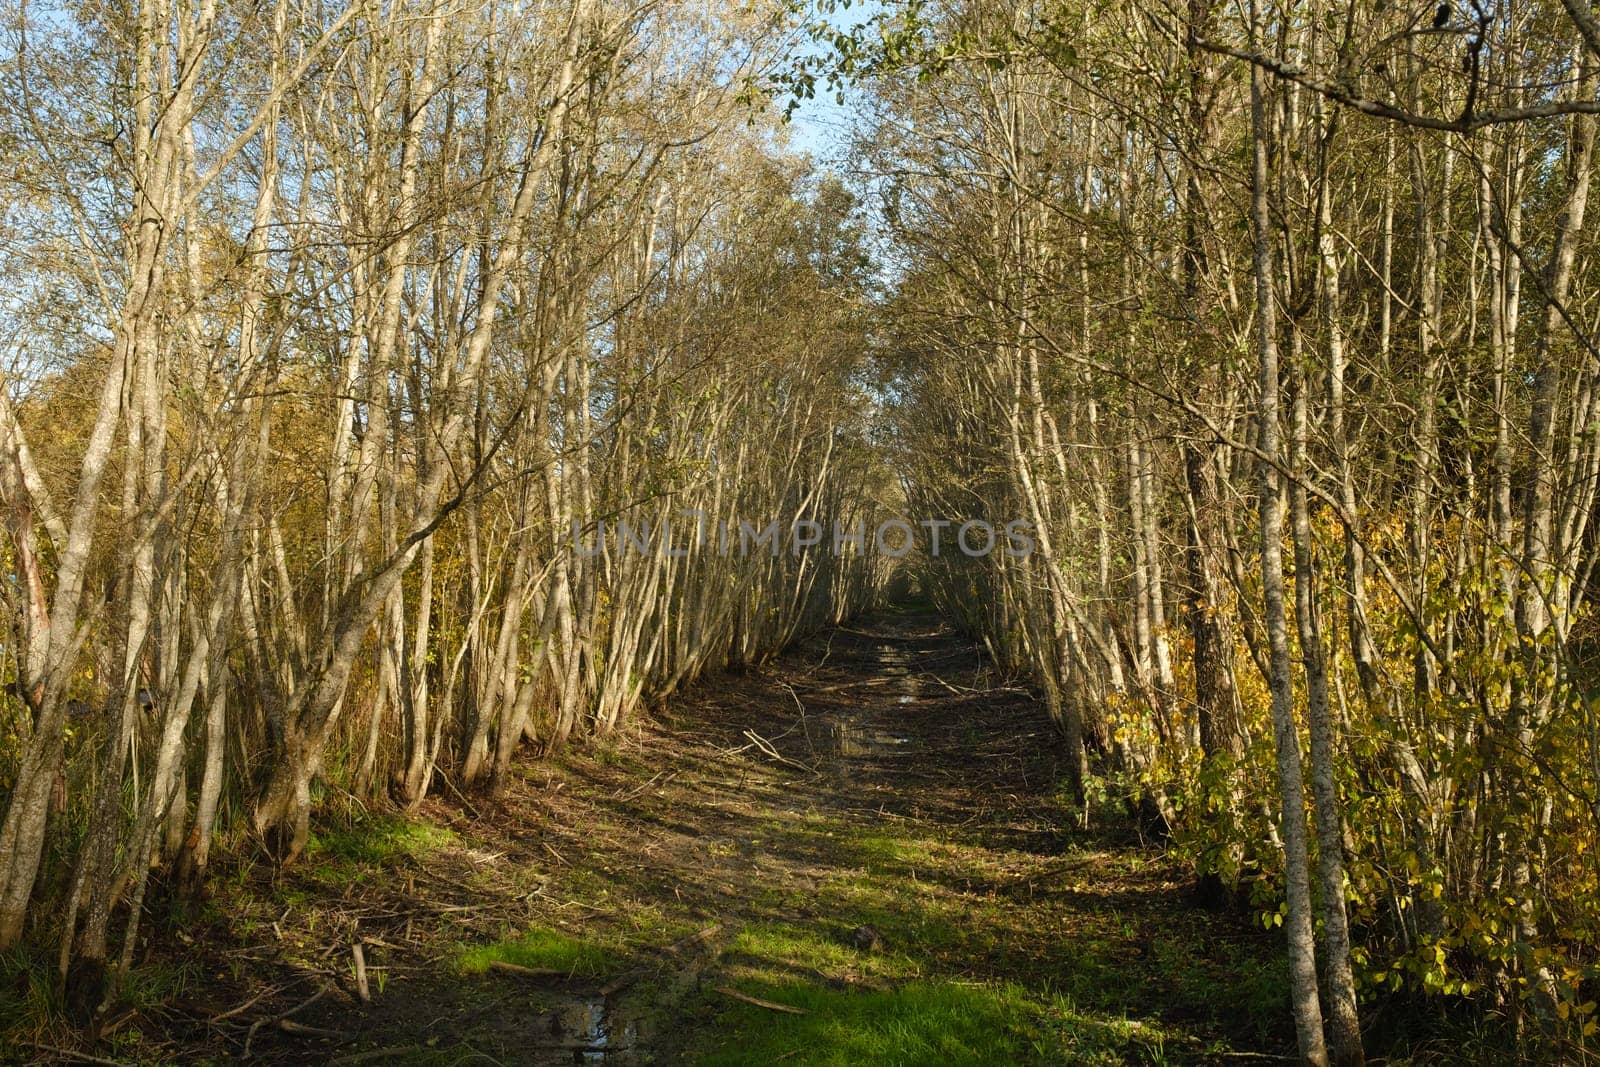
x: 340, y: 344
x: 383, y: 383
x: 1279, y: 320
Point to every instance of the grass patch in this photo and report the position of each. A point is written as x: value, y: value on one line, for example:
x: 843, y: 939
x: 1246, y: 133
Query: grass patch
x: 882, y: 852
x: 1008, y: 936
x: 380, y: 841
x: 775, y: 951
x: 924, y: 1022
x: 28, y: 1002
x: 543, y: 948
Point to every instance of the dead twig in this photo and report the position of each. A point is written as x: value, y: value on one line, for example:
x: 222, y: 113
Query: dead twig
x: 279, y: 1019
x: 465, y: 803
x: 361, y: 973
x: 758, y: 1002
x: 772, y: 753
x: 76, y: 1056
x: 693, y: 939
x: 289, y: 1026
x: 662, y: 776
x: 810, y: 745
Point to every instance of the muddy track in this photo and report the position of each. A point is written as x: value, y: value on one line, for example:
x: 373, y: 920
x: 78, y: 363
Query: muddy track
x: 725, y: 855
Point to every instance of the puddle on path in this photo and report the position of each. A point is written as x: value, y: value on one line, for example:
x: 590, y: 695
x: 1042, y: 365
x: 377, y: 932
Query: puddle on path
x: 848, y: 739
x: 621, y: 1030
x: 587, y: 1030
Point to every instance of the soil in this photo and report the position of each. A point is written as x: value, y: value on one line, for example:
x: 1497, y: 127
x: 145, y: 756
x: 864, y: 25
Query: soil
x: 700, y: 875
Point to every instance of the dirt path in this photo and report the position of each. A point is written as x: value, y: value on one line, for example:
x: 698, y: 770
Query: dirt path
x: 866, y: 833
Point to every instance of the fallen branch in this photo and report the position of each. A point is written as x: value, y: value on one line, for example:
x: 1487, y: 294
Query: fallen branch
x: 465, y: 803
x: 361, y: 973
x: 810, y: 745
x: 289, y: 1026
x: 758, y: 1002
x: 247, y: 1005
x: 77, y: 1057
x: 757, y: 741
x: 693, y: 939
x: 280, y: 1019
x: 658, y: 776
x: 766, y: 749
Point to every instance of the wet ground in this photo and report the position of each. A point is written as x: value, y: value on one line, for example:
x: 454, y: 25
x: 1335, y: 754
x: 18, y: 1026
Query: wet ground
x: 856, y: 854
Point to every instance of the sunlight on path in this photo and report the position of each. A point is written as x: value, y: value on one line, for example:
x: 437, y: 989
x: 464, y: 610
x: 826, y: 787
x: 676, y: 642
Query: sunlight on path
x: 856, y: 855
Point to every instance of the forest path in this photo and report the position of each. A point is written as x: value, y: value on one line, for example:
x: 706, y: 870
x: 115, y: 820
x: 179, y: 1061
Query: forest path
x: 874, y: 776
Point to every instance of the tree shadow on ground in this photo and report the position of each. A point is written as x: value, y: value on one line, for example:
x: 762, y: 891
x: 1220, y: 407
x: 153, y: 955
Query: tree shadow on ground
x: 874, y: 776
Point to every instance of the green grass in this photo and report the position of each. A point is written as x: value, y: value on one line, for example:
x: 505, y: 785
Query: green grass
x: 544, y: 949
x: 1001, y: 944
x: 883, y: 852
x: 887, y: 1008
x: 922, y: 1022
x: 380, y: 841
x: 28, y: 1001
x: 774, y: 952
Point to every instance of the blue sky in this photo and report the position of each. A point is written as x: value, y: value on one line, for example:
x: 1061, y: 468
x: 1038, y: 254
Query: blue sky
x: 820, y: 126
